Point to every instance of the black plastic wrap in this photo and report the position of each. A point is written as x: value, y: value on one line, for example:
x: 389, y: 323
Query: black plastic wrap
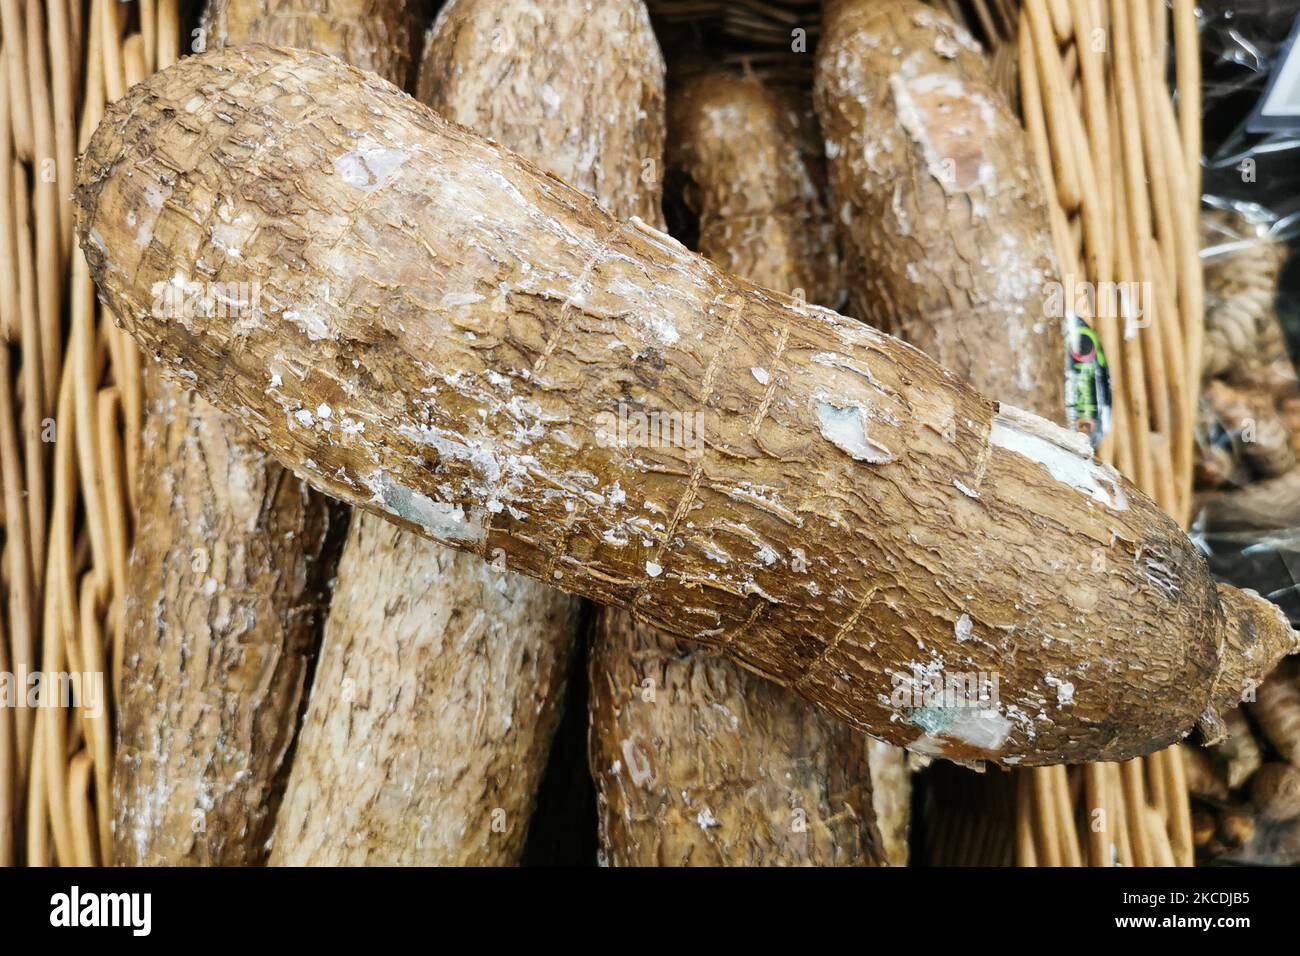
x: 1251, y: 216
x: 1248, y: 430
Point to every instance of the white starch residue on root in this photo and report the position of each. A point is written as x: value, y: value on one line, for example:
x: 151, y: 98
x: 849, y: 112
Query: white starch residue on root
x: 1067, y: 456
x: 845, y: 428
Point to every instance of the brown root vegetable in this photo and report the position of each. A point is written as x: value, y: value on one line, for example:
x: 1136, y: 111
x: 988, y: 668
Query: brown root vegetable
x: 379, y: 36
x: 1205, y: 778
x: 1259, y: 436
x: 1204, y: 824
x: 947, y: 241
x: 947, y: 231
x: 682, y: 777
x: 1217, y: 463
x: 1236, y: 830
x: 1277, y: 710
x: 737, y: 149
x: 891, y: 799
x: 1270, y: 505
x: 1243, y: 267
x: 451, y: 338
x: 225, y: 584
x: 425, y: 747
x: 696, y: 760
x: 222, y: 594
x: 483, y: 67
x: 1238, y: 756
x: 1276, y: 791
x: 433, y: 760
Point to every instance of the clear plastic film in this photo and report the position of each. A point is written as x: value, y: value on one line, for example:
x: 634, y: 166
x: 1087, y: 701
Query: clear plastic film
x: 1248, y: 432
x: 1247, y: 791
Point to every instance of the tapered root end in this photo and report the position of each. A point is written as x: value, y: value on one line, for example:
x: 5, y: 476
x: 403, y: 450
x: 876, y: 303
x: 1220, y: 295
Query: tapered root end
x: 1256, y: 636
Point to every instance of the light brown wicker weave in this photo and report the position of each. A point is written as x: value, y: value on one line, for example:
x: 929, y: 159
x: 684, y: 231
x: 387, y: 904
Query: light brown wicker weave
x: 70, y: 418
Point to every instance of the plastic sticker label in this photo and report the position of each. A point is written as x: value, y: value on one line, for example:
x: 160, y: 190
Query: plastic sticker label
x: 1087, y: 381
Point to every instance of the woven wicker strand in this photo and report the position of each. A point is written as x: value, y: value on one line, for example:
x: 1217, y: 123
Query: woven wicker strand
x: 69, y: 419
x: 1125, y: 169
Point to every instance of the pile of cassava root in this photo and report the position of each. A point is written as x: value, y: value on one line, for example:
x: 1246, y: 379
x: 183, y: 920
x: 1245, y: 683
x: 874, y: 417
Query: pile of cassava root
x: 444, y: 303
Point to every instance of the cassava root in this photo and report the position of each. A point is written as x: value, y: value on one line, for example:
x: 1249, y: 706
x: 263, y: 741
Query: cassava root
x: 378, y: 36
x: 449, y: 336
x: 471, y: 780
x: 431, y: 712
x: 228, y: 572
x: 699, y: 762
x: 947, y: 240
x: 945, y: 229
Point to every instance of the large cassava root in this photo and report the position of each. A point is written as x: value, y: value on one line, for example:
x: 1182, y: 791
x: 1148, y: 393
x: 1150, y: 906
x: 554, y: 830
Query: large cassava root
x: 697, y: 761
x: 401, y: 601
x: 378, y: 36
x: 946, y: 233
x: 949, y: 242
x: 215, y: 658
x: 447, y: 336
x: 575, y: 87
x: 947, y: 239
x: 424, y: 747
x: 736, y: 145
x: 225, y: 582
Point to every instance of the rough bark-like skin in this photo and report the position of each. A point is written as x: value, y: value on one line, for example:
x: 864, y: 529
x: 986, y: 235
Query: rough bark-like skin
x: 197, y: 749
x: 379, y: 618
x: 697, y: 761
x: 1269, y: 505
x: 443, y: 323
x: 379, y: 36
x: 1277, y: 710
x: 575, y: 86
x: 736, y: 145
x: 946, y: 237
x: 891, y: 799
x: 424, y: 747
x: 222, y: 599
x: 945, y: 229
